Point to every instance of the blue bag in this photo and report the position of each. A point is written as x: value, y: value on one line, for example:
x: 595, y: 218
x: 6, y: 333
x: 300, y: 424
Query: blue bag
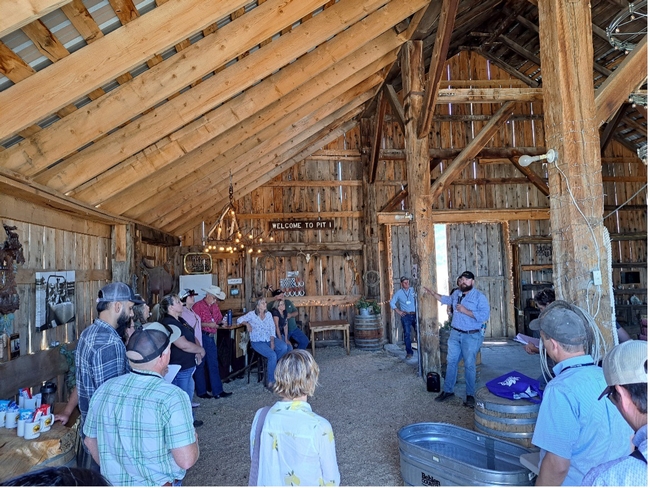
x: 516, y: 386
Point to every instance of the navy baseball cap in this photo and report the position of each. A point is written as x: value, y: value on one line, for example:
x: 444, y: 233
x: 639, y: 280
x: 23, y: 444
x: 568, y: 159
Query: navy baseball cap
x: 467, y: 274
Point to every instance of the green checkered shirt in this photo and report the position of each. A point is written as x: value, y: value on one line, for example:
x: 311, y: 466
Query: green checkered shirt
x: 137, y: 419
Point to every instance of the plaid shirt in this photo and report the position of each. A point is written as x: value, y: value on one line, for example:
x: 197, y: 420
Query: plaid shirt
x: 137, y: 420
x: 100, y: 356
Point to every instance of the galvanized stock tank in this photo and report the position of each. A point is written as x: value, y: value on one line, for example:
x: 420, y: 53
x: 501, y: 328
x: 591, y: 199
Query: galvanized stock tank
x: 435, y: 454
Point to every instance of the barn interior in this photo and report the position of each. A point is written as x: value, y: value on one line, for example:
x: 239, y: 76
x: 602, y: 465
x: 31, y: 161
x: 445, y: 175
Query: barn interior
x: 324, y: 147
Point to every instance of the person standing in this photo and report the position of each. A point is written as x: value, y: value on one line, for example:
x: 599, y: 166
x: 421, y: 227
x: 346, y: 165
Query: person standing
x: 193, y: 320
x: 626, y: 372
x: 403, y: 302
x: 471, y: 311
x: 139, y: 427
x: 185, y: 352
x: 100, y: 353
x: 296, y: 446
x: 574, y: 431
x: 295, y: 332
x: 210, y: 315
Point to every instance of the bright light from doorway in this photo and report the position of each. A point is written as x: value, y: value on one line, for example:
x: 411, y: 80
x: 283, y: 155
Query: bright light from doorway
x: 442, y: 269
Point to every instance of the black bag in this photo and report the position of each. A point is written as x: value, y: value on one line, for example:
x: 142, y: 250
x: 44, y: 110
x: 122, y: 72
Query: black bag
x: 433, y: 382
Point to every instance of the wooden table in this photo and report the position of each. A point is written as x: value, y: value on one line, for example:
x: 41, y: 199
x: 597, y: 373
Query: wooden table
x: 55, y: 447
x: 325, y: 325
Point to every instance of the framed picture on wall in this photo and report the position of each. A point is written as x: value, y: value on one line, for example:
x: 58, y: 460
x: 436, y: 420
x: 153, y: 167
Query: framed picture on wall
x: 55, y: 299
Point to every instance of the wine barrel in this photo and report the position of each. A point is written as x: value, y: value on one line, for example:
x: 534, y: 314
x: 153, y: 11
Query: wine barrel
x: 444, y: 337
x: 510, y: 420
x: 368, y: 332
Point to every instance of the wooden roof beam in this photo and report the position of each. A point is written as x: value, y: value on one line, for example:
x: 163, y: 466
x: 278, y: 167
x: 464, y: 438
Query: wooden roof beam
x: 438, y: 61
x: 472, y: 149
x: 16, y: 14
x: 533, y: 177
x: 286, y: 155
x: 425, y: 25
x: 193, y: 173
x: 81, y: 19
x: 173, y: 115
x: 377, y: 136
x: 58, y: 85
x: 451, y: 216
x: 276, y: 142
x: 506, y: 67
x: 610, y: 128
x: 395, y: 105
x: 224, y: 128
x: 617, y: 87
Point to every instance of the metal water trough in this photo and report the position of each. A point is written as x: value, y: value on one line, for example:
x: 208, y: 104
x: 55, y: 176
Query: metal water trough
x: 436, y: 454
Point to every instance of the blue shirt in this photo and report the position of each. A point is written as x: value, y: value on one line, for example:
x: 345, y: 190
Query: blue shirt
x: 475, y: 302
x: 624, y: 471
x: 100, y: 356
x: 404, y: 300
x: 573, y: 424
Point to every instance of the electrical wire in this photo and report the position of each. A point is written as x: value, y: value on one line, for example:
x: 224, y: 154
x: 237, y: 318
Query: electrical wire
x: 625, y: 202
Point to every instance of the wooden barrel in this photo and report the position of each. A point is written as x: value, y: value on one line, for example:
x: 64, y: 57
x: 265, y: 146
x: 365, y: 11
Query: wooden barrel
x: 510, y: 420
x: 460, y: 376
x: 368, y: 332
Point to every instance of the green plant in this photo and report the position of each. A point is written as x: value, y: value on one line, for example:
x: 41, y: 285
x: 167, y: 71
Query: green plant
x: 364, y: 302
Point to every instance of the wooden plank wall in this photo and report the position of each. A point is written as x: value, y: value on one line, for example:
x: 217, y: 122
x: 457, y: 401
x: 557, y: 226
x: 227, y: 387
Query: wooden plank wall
x: 52, y: 249
x: 329, y: 273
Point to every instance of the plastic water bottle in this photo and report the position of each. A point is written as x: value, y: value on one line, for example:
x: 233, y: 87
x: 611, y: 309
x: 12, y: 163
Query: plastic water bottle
x: 229, y: 317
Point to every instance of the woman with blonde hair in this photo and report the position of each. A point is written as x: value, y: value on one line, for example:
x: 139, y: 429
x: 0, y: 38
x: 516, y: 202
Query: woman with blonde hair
x: 291, y: 445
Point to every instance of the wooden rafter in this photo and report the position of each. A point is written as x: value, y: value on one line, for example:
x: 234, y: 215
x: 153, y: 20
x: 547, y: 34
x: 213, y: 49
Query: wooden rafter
x: 53, y: 88
x: 506, y: 67
x: 81, y: 19
x: 472, y: 149
x: 44, y: 41
x: 125, y: 10
x: 627, y: 77
x: 377, y: 137
x: 438, y: 61
x: 21, y: 13
x: 533, y: 177
x: 610, y: 128
x: 395, y: 104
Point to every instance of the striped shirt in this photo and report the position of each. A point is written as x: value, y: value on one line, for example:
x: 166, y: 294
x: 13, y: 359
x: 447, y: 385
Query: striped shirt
x: 100, y: 356
x: 262, y: 330
x: 137, y: 420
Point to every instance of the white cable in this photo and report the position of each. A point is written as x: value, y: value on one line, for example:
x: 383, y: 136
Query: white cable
x: 608, y: 249
x: 624, y: 203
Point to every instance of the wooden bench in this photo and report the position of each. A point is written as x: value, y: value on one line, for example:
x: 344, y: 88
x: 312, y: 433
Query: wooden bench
x: 325, y: 325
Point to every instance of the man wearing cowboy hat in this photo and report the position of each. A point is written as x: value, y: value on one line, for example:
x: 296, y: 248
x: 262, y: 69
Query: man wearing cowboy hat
x: 626, y: 372
x: 210, y: 315
x: 139, y: 427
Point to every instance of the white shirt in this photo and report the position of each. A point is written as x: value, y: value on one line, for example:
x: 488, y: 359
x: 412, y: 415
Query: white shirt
x: 296, y: 447
x: 261, y: 330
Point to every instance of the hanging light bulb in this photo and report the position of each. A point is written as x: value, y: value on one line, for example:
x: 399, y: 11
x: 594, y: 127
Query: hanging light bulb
x: 250, y: 236
x: 259, y: 251
x: 222, y: 248
x: 250, y: 250
x: 261, y: 240
x: 271, y: 238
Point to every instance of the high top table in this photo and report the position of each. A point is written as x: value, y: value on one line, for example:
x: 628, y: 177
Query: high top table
x: 325, y: 325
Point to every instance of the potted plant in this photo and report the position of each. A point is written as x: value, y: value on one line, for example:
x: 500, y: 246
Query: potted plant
x: 366, y: 306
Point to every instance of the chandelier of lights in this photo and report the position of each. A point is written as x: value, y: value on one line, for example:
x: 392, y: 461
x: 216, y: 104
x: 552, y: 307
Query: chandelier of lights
x: 628, y: 27
x: 225, y: 235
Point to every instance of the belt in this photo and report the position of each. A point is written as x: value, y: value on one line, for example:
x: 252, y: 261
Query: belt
x: 211, y: 334
x: 409, y: 313
x: 171, y: 483
x: 467, y: 331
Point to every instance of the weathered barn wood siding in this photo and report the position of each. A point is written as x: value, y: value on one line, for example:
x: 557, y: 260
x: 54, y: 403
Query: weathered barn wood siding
x: 484, y: 183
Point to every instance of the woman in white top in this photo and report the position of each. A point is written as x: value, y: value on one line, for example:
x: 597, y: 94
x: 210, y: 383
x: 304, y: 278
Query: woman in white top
x: 296, y: 445
x: 261, y: 328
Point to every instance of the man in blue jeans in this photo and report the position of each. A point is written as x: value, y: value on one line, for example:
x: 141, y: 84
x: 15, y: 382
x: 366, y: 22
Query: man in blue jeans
x: 403, y: 302
x: 471, y: 311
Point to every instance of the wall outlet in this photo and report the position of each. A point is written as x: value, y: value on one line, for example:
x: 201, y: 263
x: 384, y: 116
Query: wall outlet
x: 598, y: 278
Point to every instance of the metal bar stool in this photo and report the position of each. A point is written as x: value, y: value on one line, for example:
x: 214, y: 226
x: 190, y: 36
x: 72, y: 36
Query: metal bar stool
x: 258, y: 362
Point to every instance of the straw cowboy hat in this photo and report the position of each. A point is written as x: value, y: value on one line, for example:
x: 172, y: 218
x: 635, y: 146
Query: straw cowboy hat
x: 216, y: 291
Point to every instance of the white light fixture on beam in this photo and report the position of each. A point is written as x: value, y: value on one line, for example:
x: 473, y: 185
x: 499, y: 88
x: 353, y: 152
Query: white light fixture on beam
x: 550, y: 156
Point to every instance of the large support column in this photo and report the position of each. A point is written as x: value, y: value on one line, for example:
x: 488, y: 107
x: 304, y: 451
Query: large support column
x: 371, y: 226
x: 572, y: 130
x: 419, y: 178
x: 122, y: 244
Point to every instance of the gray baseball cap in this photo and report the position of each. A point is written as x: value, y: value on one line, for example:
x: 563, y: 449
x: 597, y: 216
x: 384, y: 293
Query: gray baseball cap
x: 625, y: 364
x: 118, y: 292
x: 561, y: 322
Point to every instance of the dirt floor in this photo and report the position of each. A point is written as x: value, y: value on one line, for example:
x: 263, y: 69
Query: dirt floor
x: 367, y: 396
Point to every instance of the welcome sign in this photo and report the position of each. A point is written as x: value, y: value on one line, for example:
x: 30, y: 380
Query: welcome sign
x: 302, y: 225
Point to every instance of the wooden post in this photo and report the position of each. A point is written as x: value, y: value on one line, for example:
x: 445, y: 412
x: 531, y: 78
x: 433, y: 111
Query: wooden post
x: 575, y: 180
x: 420, y: 202
x: 122, y: 238
x: 371, y: 226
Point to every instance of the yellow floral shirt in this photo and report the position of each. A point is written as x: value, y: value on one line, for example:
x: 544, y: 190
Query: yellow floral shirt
x: 296, y: 447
